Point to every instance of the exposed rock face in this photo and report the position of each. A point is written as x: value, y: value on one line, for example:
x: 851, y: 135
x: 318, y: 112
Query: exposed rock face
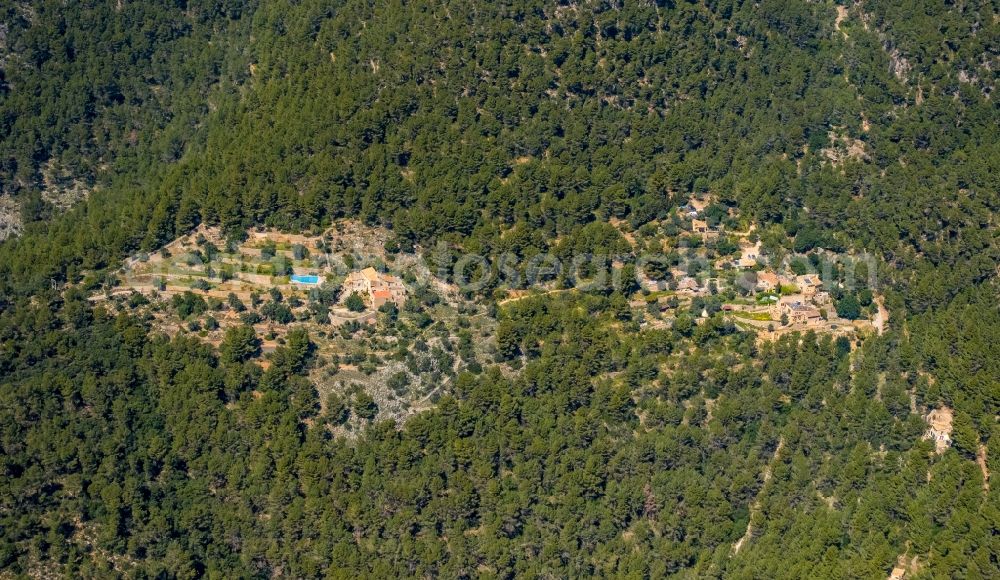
x: 843, y: 147
x: 898, y: 64
x: 10, y: 217
x: 62, y: 189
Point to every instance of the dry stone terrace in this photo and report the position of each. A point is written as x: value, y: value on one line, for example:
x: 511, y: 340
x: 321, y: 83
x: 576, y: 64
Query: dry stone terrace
x: 198, y: 285
x: 713, y: 260
x: 260, y: 271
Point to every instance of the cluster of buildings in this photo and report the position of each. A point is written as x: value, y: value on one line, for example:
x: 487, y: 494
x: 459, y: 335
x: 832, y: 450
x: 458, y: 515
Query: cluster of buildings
x: 804, y: 302
x: 375, y: 287
x: 809, y: 286
x: 799, y: 299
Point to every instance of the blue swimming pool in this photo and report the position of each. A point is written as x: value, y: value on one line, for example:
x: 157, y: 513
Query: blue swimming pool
x: 305, y: 279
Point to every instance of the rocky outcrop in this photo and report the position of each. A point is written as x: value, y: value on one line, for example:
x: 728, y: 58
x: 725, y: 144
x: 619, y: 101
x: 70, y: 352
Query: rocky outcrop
x: 10, y: 217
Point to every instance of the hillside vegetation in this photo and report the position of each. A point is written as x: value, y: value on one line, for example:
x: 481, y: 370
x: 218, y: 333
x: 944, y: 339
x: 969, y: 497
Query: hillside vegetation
x: 516, y: 126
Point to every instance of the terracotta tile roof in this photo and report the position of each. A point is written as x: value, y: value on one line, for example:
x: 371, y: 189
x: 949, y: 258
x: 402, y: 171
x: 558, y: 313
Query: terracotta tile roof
x: 768, y: 278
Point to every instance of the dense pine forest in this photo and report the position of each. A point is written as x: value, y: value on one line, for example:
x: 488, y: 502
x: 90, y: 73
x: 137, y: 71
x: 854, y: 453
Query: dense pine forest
x: 519, y: 126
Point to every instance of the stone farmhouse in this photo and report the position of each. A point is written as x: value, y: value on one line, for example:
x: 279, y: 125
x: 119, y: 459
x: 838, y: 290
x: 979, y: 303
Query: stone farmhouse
x: 797, y: 312
x: 749, y: 255
x: 688, y: 284
x: 376, y: 288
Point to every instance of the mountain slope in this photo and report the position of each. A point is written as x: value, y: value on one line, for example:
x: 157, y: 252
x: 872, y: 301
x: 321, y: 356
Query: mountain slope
x: 520, y: 126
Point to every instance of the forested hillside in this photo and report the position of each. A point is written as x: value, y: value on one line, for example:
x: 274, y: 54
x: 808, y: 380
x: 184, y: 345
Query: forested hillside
x: 97, y: 89
x: 504, y: 127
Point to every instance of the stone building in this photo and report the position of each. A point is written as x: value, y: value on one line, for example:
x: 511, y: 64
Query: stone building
x: 376, y: 288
